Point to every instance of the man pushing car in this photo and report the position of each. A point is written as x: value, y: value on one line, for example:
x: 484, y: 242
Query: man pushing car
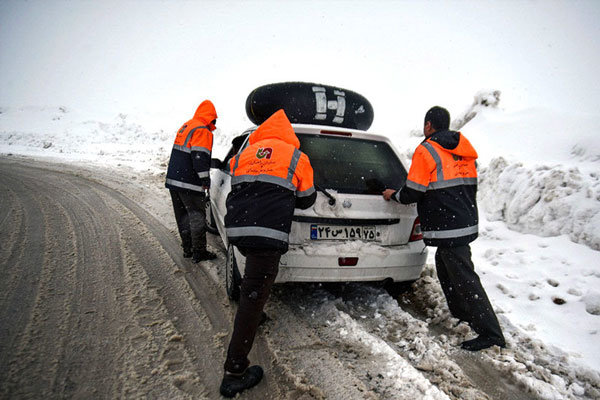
x: 270, y: 178
x: 443, y: 182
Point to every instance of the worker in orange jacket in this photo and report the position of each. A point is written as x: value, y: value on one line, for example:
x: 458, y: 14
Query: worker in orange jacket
x: 442, y: 180
x: 270, y: 178
x: 188, y: 180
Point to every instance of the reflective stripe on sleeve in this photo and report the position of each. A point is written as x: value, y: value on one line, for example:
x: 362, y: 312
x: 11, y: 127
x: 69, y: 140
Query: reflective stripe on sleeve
x: 257, y: 231
x: 451, y: 233
x: 203, y: 174
x: 182, y: 148
x: 416, y: 186
x: 452, y: 182
x: 306, y: 193
x: 201, y: 149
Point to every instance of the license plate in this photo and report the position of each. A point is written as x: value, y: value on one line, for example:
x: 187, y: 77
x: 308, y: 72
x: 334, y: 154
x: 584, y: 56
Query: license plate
x: 329, y: 232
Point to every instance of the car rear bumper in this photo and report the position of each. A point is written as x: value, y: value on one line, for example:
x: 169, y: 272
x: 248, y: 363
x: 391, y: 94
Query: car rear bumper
x: 319, y: 263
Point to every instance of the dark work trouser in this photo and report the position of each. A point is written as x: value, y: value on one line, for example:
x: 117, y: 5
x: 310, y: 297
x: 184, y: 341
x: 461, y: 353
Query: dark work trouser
x: 464, y: 293
x: 260, y: 273
x: 191, y: 220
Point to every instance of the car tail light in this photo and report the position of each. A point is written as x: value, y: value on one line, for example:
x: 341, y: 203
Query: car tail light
x: 416, y: 233
x: 336, y: 133
x: 347, y: 261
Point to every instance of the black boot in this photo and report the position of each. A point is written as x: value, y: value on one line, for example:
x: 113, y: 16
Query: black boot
x: 187, y: 249
x: 482, y: 342
x: 203, y: 255
x: 233, y: 384
x: 263, y: 318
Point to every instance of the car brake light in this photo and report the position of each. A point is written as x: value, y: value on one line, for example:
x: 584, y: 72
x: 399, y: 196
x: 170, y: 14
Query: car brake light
x: 416, y: 233
x: 336, y: 133
x: 347, y: 261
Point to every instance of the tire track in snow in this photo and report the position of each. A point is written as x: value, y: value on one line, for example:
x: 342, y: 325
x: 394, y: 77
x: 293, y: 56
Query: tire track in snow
x: 220, y: 314
x: 19, y: 275
x: 73, y: 345
x: 115, y: 314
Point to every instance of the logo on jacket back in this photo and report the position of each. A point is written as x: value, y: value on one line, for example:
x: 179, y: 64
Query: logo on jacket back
x: 264, y: 152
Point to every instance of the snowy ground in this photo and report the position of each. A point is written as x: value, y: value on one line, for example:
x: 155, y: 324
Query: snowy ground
x: 538, y: 251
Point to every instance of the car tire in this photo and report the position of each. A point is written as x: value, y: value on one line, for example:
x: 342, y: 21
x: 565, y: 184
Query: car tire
x: 211, y: 227
x: 396, y: 289
x: 233, y: 279
x: 310, y: 103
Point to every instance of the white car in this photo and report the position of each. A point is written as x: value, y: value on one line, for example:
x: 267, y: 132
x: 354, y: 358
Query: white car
x: 351, y: 233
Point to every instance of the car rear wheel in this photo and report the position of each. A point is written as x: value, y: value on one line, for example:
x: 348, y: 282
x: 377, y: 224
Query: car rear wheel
x: 211, y: 227
x: 232, y: 275
x: 395, y: 289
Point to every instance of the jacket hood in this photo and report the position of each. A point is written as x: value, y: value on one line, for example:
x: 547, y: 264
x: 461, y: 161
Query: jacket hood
x: 206, y: 112
x: 277, y: 126
x: 454, y: 142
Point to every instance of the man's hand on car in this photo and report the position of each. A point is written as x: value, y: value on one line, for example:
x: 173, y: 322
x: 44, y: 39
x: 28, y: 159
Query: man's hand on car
x: 388, y: 193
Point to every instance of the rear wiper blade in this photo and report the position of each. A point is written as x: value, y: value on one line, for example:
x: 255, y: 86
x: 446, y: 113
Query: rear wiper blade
x: 326, y: 193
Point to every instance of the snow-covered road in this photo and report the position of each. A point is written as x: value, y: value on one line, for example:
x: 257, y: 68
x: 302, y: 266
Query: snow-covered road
x: 96, y: 300
x: 167, y: 339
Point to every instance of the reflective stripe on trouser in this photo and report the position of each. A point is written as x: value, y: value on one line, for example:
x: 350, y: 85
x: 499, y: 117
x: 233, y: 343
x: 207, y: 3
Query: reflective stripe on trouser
x: 464, y: 293
x: 184, y: 185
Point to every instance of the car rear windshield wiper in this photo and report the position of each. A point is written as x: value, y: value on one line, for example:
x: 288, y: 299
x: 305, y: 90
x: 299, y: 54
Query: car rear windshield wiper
x: 326, y: 193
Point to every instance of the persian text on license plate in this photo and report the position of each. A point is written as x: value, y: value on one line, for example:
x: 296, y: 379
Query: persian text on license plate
x: 328, y: 232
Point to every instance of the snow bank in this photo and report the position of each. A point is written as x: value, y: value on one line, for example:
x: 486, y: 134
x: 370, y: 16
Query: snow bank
x: 540, y: 172
x: 543, y: 200
x: 57, y: 132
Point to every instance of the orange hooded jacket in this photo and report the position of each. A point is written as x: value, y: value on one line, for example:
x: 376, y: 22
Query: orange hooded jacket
x: 270, y: 178
x: 189, y: 165
x: 442, y: 180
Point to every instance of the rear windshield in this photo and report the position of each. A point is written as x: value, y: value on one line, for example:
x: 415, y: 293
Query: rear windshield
x: 350, y: 165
